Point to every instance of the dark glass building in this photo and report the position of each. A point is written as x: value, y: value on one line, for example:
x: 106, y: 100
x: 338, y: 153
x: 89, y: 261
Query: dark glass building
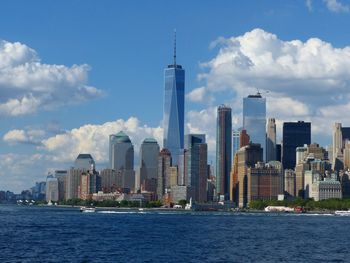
x: 173, y: 111
x: 223, y: 151
x: 295, y: 134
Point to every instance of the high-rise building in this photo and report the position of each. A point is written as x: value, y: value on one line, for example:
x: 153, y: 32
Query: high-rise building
x: 271, y: 140
x: 223, y: 151
x: 295, y: 134
x: 235, y: 141
x: 265, y: 181
x: 51, y: 189
x: 254, y: 119
x: 174, y: 107
x: 337, y: 141
x: 247, y: 157
x: 197, y: 165
x: 84, y: 161
x: 164, y: 164
x: 122, y: 158
x: 149, y: 152
x: 111, y: 180
x: 301, y: 154
x: 289, y: 182
x: 61, y: 176
x: 244, y: 138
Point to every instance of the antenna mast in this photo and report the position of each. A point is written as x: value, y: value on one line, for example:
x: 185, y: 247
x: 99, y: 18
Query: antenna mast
x: 175, y: 47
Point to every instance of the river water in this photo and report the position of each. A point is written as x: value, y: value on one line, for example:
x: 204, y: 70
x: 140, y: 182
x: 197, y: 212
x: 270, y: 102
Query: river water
x: 54, y: 234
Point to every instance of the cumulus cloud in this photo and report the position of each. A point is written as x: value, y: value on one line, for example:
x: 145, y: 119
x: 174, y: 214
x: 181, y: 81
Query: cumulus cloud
x: 94, y: 139
x: 336, y: 7
x: 27, y: 84
x: 32, y: 136
x: 301, y: 80
x: 309, y: 5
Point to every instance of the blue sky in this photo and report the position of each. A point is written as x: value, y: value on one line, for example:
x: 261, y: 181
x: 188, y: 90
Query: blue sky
x: 121, y: 48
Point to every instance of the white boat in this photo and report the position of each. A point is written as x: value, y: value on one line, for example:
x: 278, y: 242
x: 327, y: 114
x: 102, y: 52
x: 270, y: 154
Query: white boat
x: 342, y: 213
x: 87, y: 209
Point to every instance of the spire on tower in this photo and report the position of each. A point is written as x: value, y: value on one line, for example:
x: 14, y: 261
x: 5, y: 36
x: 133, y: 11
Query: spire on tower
x: 175, y: 47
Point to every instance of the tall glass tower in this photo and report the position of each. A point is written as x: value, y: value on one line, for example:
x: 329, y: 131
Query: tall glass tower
x: 223, y: 151
x: 254, y: 119
x: 173, y: 111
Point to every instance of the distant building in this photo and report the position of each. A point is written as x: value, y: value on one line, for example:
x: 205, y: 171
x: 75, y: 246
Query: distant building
x: 61, y: 176
x: 295, y: 134
x: 149, y: 152
x: 173, y: 110
x: 289, y: 182
x: 111, y: 180
x: 254, y: 119
x: 326, y: 189
x: 84, y: 161
x: 244, y: 138
x: 247, y: 157
x: 122, y: 158
x: 235, y: 141
x: 337, y: 142
x: 179, y: 192
x: 271, y: 140
x: 265, y: 181
x: 223, y: 151
x: 164, y: 164
x: 197, y: 165
x: 51, y: 189
x: 73, y: 182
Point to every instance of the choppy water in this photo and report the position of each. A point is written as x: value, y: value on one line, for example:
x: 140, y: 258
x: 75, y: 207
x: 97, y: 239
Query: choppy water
x: 51, y: 234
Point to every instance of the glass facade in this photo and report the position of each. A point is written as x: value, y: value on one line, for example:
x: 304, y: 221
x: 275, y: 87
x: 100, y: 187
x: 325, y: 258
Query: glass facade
x: 295, y: 134
x: 235, y: 142
x: 223, y: 151
x: 173, y: 111
x: 254, y: 119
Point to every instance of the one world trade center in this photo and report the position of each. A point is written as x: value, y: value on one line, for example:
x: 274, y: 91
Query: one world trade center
x: 173, y: 111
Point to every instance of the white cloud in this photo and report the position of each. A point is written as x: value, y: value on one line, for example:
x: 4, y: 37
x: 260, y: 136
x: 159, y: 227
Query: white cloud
x: 304, y: 79
x: 309, y: 5
x: 93, y: 139
x: 27, y: 84
x: 196, y: 95
x: 336, y: 7
x: 32, y: 136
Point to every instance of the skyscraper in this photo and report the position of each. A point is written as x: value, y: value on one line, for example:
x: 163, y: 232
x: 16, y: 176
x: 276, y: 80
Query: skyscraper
x: 164, y: 164
x: 84, y: 161
x: 271, y: 140
x: 197, y: 175
x: 149, y: 152
x: 295, y: 134
x: 122, y: 158
x: 337, y: 141
x: 254, y: 119
x: 223, y: 151
x: 235, y: 142
x: 173, y: 111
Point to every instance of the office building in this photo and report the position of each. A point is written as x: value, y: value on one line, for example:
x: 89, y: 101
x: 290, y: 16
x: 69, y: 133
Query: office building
x: 271, y: 140
x: 289, y: 182
x: 164, y: 164
x: 149, y: 152
x: 244, y: 138
x: 173, y: 110
x: 235, y: 141
x: 197, y: 166
x: 61, y: 176
x: 326, y: 189
x: 295, y: 134
x: 223, y: 151
x: 84, y: 161
x: 111, y: 180
x: 122, y: 158
x: 254, y: 119
x: 51, y: 189
x: 247, y: 157
x: 265, y: 181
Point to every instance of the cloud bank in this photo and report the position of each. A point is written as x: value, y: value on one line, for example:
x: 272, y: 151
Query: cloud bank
x: 302, y: 80
x: 27, y: 84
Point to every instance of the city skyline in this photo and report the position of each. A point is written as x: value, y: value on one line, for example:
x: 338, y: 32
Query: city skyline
x: 71, y: 94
